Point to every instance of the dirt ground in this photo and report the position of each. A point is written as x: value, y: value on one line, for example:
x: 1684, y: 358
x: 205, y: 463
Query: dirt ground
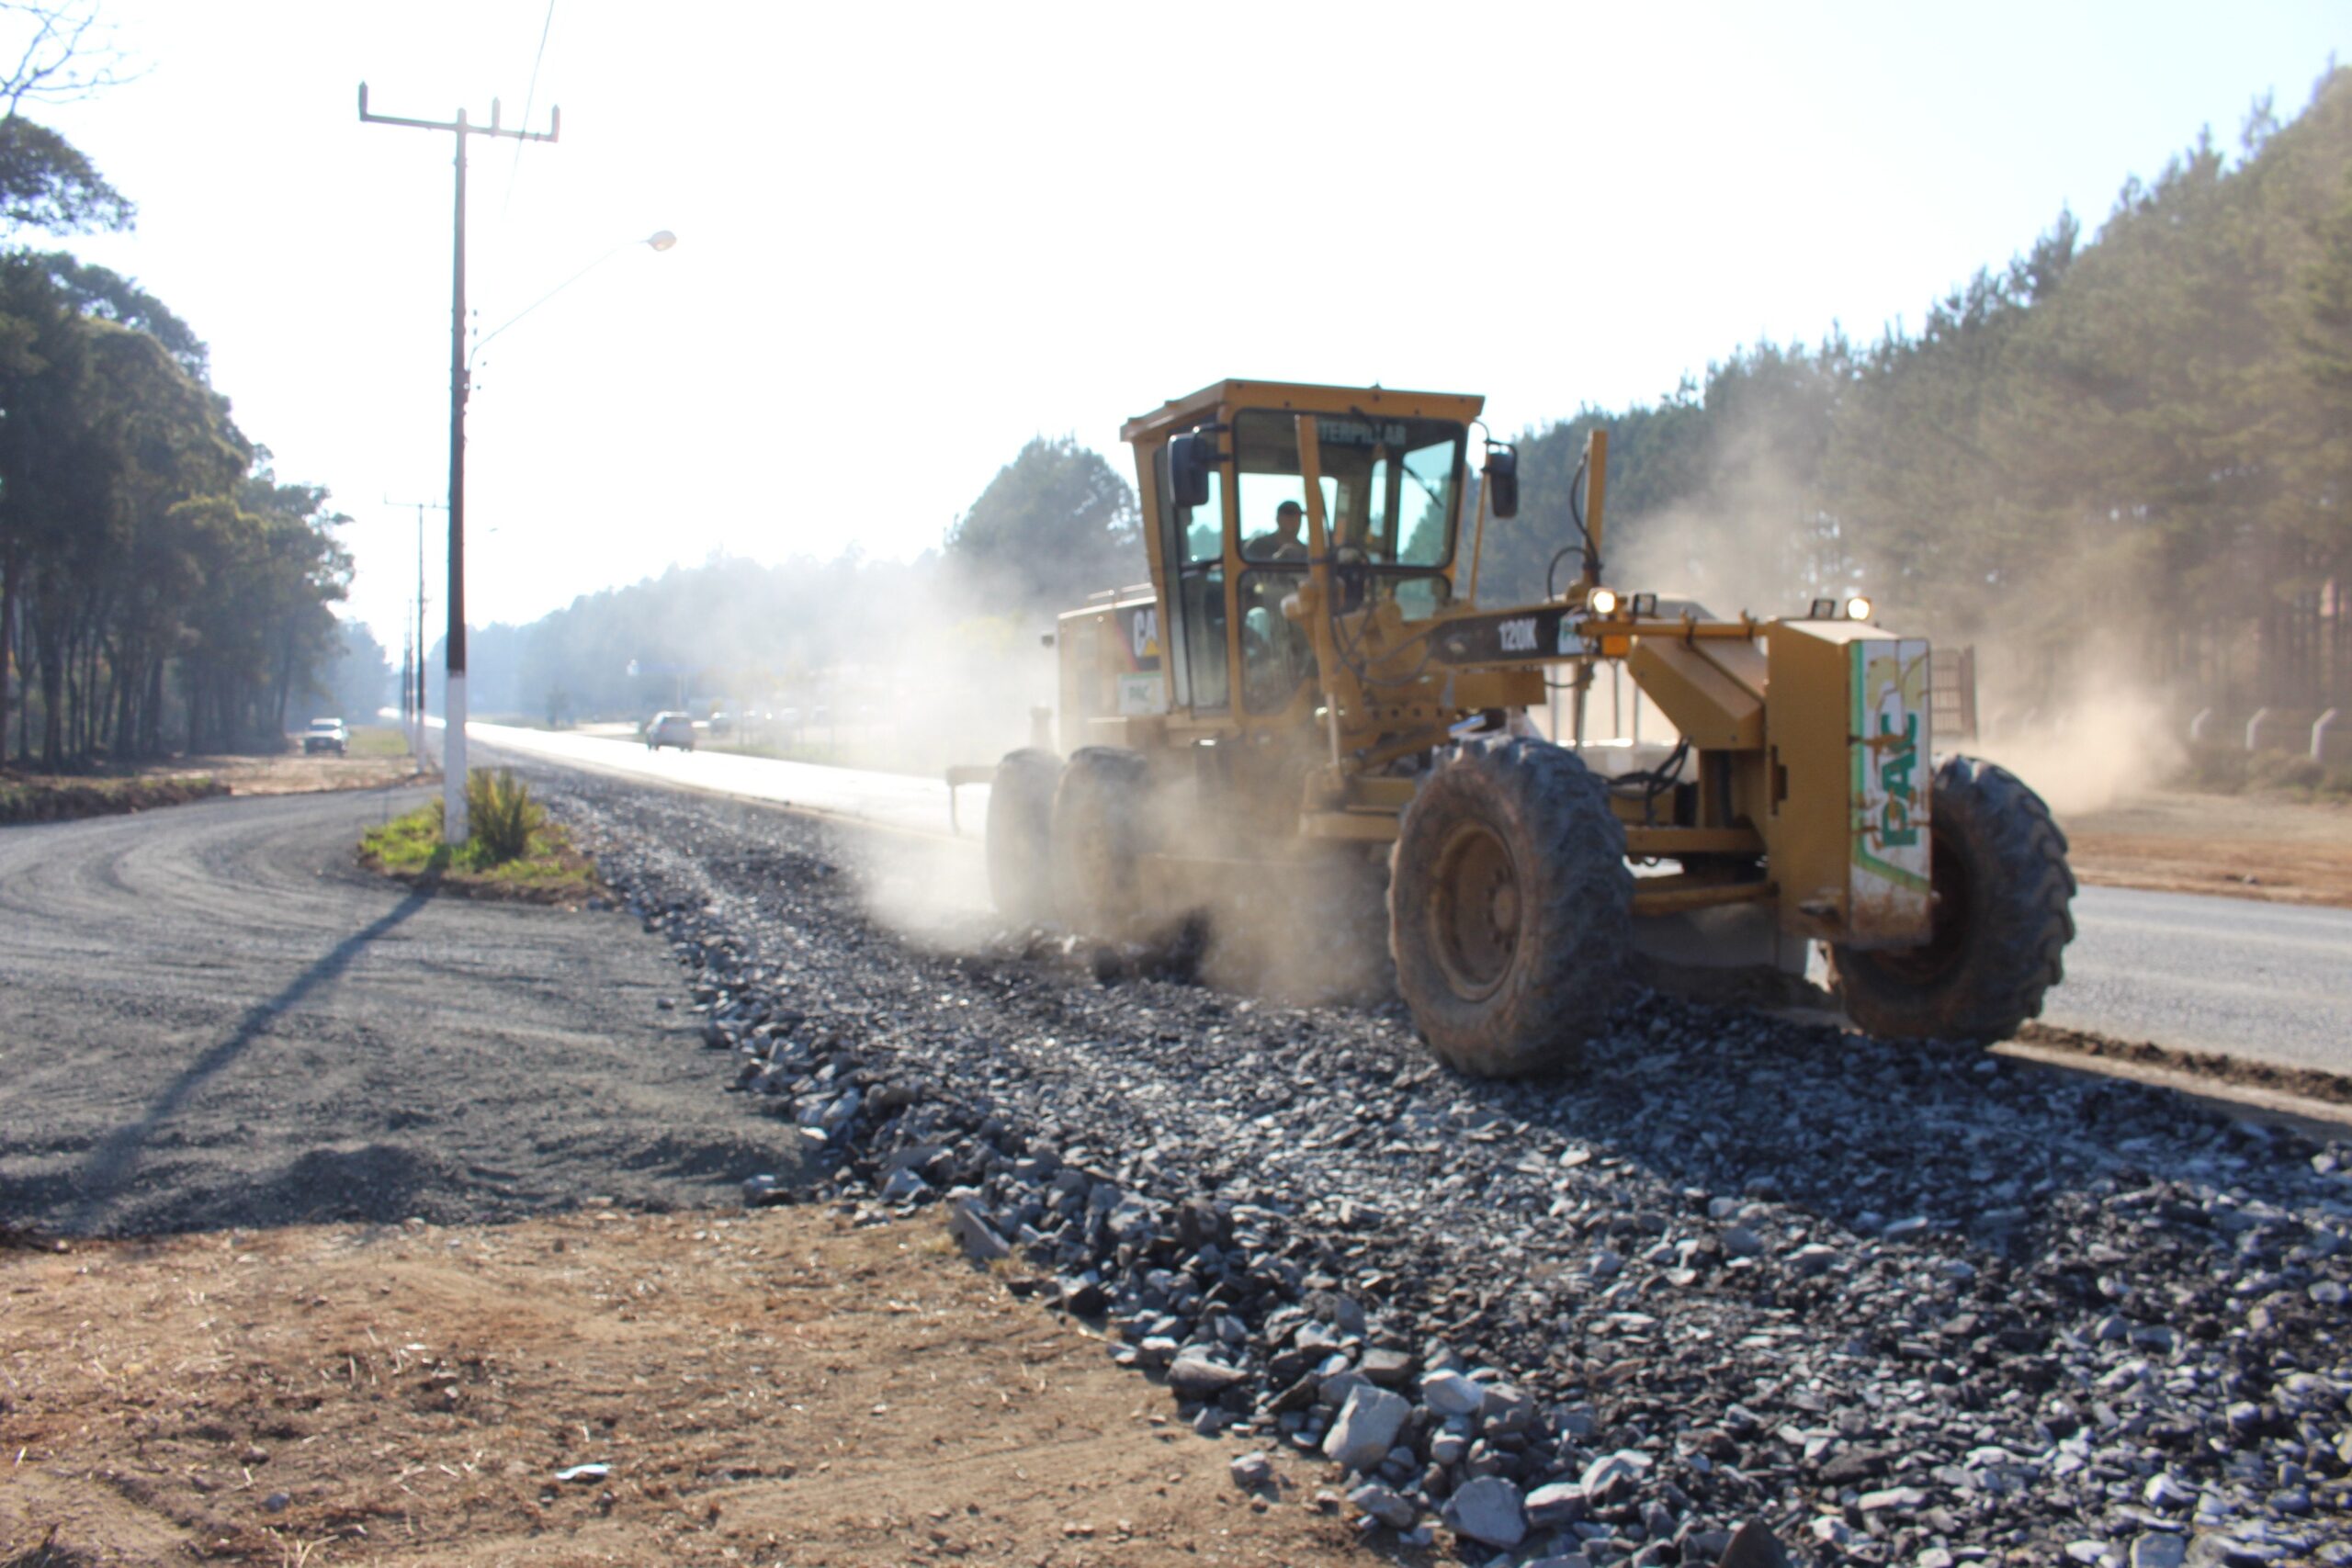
x: 298, y: 774
x: 2241, y: 846
x: 770, y: 1387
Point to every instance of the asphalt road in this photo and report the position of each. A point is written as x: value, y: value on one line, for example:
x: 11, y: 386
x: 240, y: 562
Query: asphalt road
x: 213, y: 1016
x: 2270, y: 981
x: 2266, y: 981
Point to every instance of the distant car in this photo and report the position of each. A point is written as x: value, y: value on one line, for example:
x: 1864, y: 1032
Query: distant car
x: 670, y: 729
x: 326, y: 735
x: 722, y: 724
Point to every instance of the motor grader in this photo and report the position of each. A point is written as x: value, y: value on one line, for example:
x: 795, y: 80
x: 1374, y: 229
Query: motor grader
x: 1310, y: 678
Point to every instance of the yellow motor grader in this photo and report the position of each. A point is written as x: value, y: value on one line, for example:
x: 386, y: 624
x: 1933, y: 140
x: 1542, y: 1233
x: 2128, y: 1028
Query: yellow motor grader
x: 1309, y: 678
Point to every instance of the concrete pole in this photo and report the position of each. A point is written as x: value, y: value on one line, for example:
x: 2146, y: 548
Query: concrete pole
x: 2319, y: 728
x: 454, y: 828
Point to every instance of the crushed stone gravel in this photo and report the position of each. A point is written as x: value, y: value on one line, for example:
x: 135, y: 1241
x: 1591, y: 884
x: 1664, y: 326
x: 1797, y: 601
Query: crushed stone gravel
x: 1904, y: 1304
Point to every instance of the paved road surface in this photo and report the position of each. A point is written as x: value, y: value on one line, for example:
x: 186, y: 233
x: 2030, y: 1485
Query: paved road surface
x: 213, y: 1016
x: 2232, y: 974
x: 2271, y: 981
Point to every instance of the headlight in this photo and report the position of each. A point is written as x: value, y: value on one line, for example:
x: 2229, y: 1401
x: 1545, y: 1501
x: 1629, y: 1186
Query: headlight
x: 1601, y: 602
x: 1858, y: 608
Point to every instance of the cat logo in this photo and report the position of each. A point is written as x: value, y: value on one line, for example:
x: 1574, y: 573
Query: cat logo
x: 1518, y: 635
x: 1143, y: 632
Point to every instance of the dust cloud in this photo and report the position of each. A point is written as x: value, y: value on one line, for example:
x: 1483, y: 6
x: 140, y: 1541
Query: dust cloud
x: 2060, y: 697
x: 2116, y: 744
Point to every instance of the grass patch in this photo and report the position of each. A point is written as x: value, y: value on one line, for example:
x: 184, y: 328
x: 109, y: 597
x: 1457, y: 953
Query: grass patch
x: 550, y: 868
x: 378, y: 741
x: 26, y: 797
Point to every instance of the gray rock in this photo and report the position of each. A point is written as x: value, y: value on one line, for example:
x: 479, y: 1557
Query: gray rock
x: 1740, y: 1242
x: 1451, y: 1394
x: 1251, y: 1470
x: 1193, y: 1376
x: 1893, y: 1499
x: 973, y: 1233
x: 1488, y: 1509
x: 2164, y: 1491
x: 1367, y: 1428
x: 2158, y: 1550
x: 1812, y: 1259
x: 1628, y: 1464
x: 1506, y: 1409
x: 1560, y: 1503
x: 1389, y: 1369
x: 1381, y: 1503
x: 903, y: 1185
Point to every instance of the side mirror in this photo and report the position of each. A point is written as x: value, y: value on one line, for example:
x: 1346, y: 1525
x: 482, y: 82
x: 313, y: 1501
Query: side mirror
x: 1502, y: 480
x: 1192, y: 456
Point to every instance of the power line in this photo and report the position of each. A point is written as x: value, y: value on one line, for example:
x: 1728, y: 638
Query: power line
x: 530, y: 96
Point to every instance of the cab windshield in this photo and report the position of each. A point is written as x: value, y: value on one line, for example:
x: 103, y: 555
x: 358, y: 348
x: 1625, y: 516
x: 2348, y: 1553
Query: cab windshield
x: 1389, y: 488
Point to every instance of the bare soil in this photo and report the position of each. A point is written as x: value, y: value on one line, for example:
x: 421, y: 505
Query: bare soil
x: 298, y: 774
x: 2240, y: 846
x: 771, y: 1387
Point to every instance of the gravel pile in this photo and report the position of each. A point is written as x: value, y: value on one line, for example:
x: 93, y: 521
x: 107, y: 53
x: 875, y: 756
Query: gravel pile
x: 1907, y: 1305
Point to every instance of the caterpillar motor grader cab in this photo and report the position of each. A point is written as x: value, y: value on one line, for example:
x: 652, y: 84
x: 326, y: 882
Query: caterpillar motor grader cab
x: 1309, y: 675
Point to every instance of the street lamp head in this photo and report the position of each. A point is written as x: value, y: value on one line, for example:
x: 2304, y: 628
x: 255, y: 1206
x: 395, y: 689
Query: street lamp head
x: 661, y: 239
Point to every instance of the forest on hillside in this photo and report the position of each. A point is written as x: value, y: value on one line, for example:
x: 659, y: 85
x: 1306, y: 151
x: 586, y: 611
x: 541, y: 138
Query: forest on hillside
x: 160, y: 588
x: 2122, y: 461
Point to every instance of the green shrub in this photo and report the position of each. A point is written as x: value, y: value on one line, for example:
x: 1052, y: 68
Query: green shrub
x: 501, y: 815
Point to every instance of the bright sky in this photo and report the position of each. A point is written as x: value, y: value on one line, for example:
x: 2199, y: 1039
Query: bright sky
x: 912, y: 237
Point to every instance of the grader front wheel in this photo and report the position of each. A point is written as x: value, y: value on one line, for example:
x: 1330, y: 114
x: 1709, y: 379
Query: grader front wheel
x: 1097, y: 836
x: 1510, y: 909
x: 1020, y: 835
x: 2001, y: 887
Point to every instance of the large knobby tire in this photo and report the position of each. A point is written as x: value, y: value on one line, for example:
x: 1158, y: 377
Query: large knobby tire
x: 2001, y: 888
x: 1510, y: 909
x: 1097, y: 838
x: 1020, y: 835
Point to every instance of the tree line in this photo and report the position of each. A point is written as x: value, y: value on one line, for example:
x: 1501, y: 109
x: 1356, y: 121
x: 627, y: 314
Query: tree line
x: 2127, y: 454
x: 160, y: 587
x: 1054, y: 524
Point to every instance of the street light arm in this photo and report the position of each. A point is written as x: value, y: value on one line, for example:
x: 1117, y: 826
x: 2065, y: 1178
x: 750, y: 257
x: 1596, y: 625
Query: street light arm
x: 659, y: 240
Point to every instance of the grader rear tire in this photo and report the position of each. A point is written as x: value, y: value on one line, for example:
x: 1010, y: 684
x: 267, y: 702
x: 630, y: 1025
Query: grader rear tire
x: 1097, y: 836
x: 1020, y: 835
x: 2002, y: 924
x: 1510, y: 909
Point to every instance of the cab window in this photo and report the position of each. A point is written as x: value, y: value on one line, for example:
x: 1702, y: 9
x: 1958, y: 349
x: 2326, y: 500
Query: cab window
x: 1390, y: 486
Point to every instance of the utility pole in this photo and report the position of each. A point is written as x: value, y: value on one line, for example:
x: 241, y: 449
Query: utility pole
x: 412, y: 675
x: 454, y: 827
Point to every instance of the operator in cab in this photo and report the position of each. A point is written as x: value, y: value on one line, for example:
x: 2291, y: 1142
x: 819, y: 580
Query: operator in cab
x: 1283, y: 543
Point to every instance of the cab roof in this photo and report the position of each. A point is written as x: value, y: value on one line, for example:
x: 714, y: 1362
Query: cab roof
x: 1299, y: 397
